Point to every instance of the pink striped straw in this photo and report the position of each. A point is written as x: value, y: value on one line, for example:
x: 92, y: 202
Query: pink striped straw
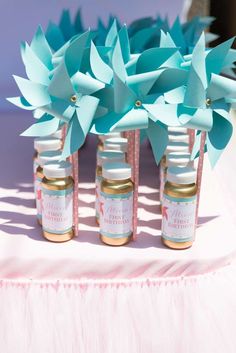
x: 136, y: 153
x: 191, y: 134
x: 75, y: 173
x: 200, y: 171
x: 75, y: 168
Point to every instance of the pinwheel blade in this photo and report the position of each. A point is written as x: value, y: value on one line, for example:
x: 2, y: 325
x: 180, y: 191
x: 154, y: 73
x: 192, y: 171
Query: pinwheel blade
x: 78, y: 24
x: 104, y: 124
x: 59, y: 90
x: 124, y: 97
x: 177, y: 35
x: 74, y: 138
x: 152, y: 59
x: 141, y: 84
x: 21, y: 102
x: 60, y: 109
x: 134, y: 119
x: 112, y: 35
x: 176, y: 59
x: 118, y: 62
x: 86, y: 84
x: 86, y: 112
x: 99, y: 68
x: 45, y: 126
x: 124, y: 43
x: 66, y: 25
x: 218, y: 138
x: 41, y: 48
x: 34, y: 93
x: 165, y: 113
x: 141, y: 38
x: 34, y: 67
x: 221, y: 87
x: 74, y: 53
x: 200, y: 119
x: 216, y: 57
x: 169, y: 79
x: 158, y: 137
x: 197, y: 79
x: 54, y: 36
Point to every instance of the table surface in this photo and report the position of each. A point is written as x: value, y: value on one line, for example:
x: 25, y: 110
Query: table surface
x: 24, y: 254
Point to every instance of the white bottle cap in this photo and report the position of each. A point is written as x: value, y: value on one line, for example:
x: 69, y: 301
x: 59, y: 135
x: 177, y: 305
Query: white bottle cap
x: 110, y: 156
x: 177, y: 137
x: 42, y: 144
x: 57, y: 170
x: 57, y: 134
x: 48, y: 156
x: 178, y: 159
x: 110, y: 135
x: 116, y: 143
x: 184, y: 175
x: 116, y: 171
x: 177, y: 147
x: 179, y: 129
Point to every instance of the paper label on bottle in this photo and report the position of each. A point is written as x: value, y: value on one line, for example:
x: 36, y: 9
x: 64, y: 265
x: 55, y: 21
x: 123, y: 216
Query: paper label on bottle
x: 162, y: 182
x: 38, y: 197
x: 97, y: 194
x: 178, y: 218
x: 116, y: 215
x: 57, y: 210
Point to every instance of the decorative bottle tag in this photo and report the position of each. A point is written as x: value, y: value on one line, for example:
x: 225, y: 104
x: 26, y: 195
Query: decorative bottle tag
x: 178, y: 218
x: 38, y: 196
x: 97, y: 195
x: 116, y: 215
x: 57, y: 210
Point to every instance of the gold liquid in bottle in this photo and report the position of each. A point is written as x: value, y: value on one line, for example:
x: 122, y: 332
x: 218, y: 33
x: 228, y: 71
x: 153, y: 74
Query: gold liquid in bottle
x: 116, y: 204
x: 57, y: 196
x: 42, y: 159
x: 102, y: 158
x: 179, y: 208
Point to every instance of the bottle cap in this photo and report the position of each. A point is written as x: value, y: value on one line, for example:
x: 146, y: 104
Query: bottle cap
x: 116, y: 143
x: 48, y: 156
x: 42, y: 144
x: 178, y: 129
x: 116, y: 171
x: 178, y: 137
x: 184, y: 175
x: 178, y: 159
x: 110, y: 156
x: 57, y: 134
x: 57, y: 170
x: 177, y: 147
x: 110, y: 135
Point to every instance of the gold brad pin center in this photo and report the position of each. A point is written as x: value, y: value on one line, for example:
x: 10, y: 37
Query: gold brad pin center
x: 138, y: 103
x: 73, y: 98
x: 208, y: 102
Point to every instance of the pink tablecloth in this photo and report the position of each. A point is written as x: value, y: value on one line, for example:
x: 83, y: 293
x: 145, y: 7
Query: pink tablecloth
x: 82, y: 296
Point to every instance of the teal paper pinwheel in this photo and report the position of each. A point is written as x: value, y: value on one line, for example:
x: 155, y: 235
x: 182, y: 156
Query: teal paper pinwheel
x: 58, y: 35
x: 68, y: 97
x: 205, y: 102
x: 131, y: 93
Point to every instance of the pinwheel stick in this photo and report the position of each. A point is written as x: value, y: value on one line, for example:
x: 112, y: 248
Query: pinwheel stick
x: 75, y: 168
x: 200, y: 171
x: 191, y: 134
x: 74, y: 159
x: 133, y: 159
